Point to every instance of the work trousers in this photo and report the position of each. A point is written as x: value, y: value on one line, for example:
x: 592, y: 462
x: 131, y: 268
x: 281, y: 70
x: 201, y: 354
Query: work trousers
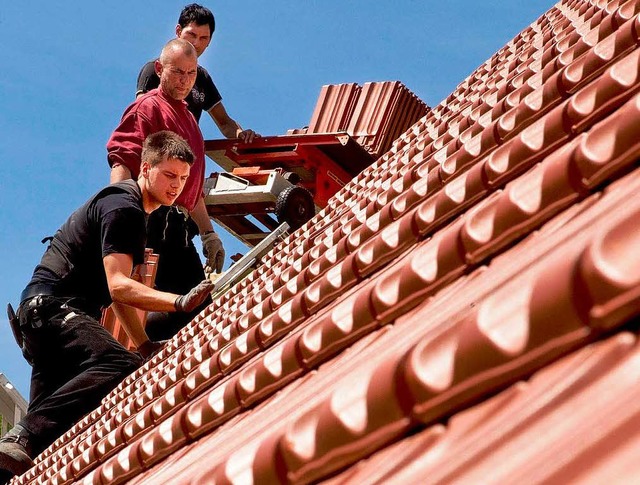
x: 170, y: 234
x: 75, y: 363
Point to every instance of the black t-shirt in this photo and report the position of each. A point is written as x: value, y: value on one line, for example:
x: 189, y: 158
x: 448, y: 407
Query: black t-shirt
x: 203, y: 96
x: 112, y: 221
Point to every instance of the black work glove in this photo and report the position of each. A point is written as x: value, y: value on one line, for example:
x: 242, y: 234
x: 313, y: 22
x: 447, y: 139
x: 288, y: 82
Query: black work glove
x: 195, y: 298
x: 150, y: 348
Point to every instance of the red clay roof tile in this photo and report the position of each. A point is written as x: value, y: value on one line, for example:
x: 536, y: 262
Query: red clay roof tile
x: 415, y: 322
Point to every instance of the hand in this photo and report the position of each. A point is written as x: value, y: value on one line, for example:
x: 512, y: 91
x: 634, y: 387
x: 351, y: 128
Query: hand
x: 213, y: 251
x: 247, y: 136
x: 195, y: 298
x: 149, y: 348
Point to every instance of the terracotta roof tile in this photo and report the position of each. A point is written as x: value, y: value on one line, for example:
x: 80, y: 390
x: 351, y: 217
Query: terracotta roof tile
x: 461, y: 298
x: 375, y: 114
x: 508, y: 424
x: 334, y: 108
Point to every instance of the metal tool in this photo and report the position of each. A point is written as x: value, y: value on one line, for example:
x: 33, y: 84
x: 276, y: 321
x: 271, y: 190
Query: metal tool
x: 237, y: 271
x: 15, y: 324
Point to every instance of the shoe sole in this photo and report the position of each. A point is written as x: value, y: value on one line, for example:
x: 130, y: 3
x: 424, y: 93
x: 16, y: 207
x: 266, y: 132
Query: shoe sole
x: 13, y: 465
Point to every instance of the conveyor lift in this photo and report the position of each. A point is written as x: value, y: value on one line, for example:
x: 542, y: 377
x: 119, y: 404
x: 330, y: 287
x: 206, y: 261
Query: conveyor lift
x: 278, y: 179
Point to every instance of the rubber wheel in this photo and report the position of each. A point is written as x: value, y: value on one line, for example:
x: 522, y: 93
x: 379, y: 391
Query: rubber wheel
x: 295, y: 206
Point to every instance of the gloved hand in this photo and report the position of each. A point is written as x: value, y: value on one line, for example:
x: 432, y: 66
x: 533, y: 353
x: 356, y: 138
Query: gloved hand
x: 213, y: 251
x: 193, y: 299
x: 150, y: 348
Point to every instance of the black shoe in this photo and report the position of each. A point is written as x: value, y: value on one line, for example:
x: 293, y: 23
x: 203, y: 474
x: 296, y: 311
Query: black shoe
x: 5, y: 477
x: 15, y: 456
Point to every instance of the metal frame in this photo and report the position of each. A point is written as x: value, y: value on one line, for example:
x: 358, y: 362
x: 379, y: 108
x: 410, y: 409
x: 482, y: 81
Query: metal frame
x: 227, y: 188
x: 241, y: 267
x: 323, y: 163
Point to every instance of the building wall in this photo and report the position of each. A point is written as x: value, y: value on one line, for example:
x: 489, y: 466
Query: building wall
x: 12, y: 405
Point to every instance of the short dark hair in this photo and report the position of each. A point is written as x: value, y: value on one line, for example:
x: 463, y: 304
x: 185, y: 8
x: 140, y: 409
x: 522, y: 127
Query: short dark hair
x: 167, y: 144
x: 198, y: 14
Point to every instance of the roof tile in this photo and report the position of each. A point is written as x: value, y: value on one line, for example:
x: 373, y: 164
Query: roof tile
x: 417, y: 325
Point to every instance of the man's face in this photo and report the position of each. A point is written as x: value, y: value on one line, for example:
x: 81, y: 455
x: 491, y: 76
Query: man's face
x: 178, y: 74
x: 166, y: 180
x: 198, y: 35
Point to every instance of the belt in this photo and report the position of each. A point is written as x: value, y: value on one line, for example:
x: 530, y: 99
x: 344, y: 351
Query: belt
x: 39, y: 289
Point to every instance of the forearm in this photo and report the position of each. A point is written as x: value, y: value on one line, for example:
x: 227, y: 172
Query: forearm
x: 130, y: 321
x: 201, y: 216
x: 119, y: 173
x: 129, y: 292
x: 230, y: 128
x: 124, y: 148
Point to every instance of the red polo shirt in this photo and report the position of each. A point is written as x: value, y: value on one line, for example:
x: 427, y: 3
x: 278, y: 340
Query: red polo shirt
x: 150, y: 113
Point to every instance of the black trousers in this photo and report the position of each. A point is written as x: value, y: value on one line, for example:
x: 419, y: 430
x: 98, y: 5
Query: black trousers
x: 170, y: 234
x: 75, y: 363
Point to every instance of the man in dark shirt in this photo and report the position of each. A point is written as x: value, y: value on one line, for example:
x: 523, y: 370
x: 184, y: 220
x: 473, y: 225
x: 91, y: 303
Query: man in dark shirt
x: 196, y: 25
x: 88, y: 265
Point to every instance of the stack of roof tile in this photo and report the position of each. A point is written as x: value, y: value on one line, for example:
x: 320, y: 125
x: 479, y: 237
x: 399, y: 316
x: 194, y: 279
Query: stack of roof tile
x: 334, y: 108
x: 463, y: 311
x: 144, y: 273
x: 375, y: 114
x: 383, y: 112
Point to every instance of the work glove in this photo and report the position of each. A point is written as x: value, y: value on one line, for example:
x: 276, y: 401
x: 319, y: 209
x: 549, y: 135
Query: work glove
x: 192, y: 300
x: 213, y: 251
x: 148, y: 349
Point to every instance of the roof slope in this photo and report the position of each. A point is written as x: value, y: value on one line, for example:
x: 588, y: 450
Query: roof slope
x: 464, y: 310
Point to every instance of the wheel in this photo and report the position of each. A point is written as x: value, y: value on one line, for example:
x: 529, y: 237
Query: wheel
x: 295, y: 206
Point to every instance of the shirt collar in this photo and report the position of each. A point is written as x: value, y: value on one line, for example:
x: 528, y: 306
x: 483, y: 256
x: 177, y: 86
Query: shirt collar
x: 170, y: 100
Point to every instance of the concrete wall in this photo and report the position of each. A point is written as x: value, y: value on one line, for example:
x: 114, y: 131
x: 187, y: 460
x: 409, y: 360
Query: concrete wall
x: 12, y: 405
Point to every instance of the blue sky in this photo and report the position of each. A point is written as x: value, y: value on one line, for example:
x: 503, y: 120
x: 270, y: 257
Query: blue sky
x: 70, y: 70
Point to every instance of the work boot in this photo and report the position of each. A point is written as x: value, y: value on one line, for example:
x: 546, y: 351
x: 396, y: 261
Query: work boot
x: 15, y: 453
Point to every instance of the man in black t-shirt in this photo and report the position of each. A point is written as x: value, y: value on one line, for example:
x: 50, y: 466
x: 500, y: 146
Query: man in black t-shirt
x: 196, y: 24
x: 88, y: 265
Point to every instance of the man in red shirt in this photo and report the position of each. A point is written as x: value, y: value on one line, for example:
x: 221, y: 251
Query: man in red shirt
x: 170, y: 230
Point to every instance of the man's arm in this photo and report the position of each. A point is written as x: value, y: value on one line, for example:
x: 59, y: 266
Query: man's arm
x: 228, y: 126
x: 124, y: 148
x: 123, y: 289
x: 127, y: 293
x: 201, y: 217
x: 119, y: 173
x: 212, y: 247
